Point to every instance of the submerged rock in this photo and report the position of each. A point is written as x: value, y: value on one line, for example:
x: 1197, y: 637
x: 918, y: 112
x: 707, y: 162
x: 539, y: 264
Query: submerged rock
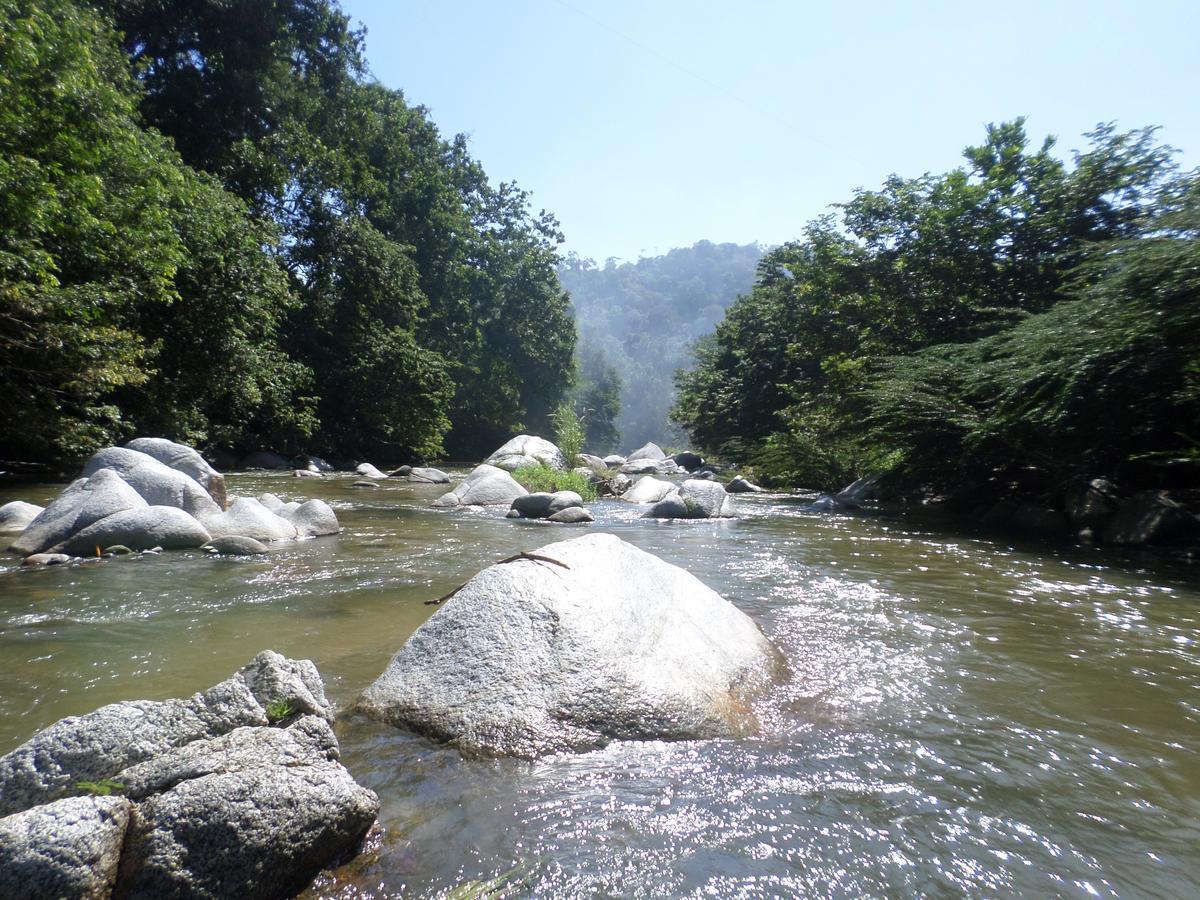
x: 528, y: 450
x: 485, y: 486
x: 235, y: 545
x: 572, y: 646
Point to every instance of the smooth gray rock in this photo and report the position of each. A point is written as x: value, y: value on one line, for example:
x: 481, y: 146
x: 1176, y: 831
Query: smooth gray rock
x: 594, y: 463
x: 277, y: 506
x: 541, y: 505
x: 102, y: 743
x: 158, y: 483
x: 312, y: 518
x: 695, y: 499
x: 740, y: 485
x: 16, y: 516
x: 46, y: 559
x: 235, y: 545
x: 615, y: 460
x: 646, y: 467
x: 306, y: 473
x: 315, y: 463
x: 84, y: 502
x: 250, y: 518
x: 368, y: 471
x: 259, y: 832
x: 265, y: 459
x: 69, y: 848
x: 527, y: 450
x: 365, y: 484
x: 485, y: 486
x: 184, y: 459
x: 830, y: 503
x: 572, y: 515
x: 307, y: 740
x: 428, y: 476
x: 402, y: 472
x: 648, y: 489
x: 139, y: 529
x: 865, y: 488
x: 534, y: 657
x: 650, y: 451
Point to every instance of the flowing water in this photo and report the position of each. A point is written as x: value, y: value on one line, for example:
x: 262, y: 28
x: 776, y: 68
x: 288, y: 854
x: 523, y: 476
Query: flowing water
x: 962, y: 717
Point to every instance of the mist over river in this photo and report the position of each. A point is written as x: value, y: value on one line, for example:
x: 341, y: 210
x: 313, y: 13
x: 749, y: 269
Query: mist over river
x: 962, y: 716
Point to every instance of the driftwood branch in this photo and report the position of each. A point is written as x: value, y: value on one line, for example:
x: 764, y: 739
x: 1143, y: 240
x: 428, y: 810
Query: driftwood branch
x: 514, y: 558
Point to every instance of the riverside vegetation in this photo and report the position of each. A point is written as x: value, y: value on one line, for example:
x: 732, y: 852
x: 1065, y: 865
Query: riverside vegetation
x: 215, y: 226
x: 1008, y: 328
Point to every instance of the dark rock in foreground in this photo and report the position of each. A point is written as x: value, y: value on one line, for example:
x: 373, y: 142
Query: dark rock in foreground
x: 217, y: 801
x: 569, y: 647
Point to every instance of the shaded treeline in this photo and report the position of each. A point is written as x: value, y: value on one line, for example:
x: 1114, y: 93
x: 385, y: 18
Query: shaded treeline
x: 1003, y: 328
x: 216, y: 227
x: 640, y: 318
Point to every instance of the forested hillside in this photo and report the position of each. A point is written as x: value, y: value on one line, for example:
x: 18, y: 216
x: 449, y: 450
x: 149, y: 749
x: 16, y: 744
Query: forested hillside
x: 1001, y: 329
x: 217, y: 228
x: 641, y: 318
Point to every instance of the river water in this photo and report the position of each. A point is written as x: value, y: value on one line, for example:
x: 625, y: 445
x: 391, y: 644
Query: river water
x: 963, y: 717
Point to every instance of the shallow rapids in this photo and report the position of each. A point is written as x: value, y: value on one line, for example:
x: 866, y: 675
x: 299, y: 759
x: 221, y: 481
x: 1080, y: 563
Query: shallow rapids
x: 963, y: 717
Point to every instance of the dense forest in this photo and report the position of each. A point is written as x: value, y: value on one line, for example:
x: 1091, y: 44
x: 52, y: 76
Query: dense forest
x: 1001, y: 329
x: 216, y: 227
x: 638, y: 320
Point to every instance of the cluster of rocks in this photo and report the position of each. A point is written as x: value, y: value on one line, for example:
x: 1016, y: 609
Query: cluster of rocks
x: 236, y: 791
x: 561, y: 507
x: 153, y: 494
x: 571, y: 646
x: 490, y: 484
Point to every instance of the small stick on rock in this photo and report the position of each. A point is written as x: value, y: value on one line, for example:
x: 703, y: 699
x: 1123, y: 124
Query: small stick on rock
x: 518, y: 556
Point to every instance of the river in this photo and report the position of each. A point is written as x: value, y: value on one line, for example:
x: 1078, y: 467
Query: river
x: 962, y: 717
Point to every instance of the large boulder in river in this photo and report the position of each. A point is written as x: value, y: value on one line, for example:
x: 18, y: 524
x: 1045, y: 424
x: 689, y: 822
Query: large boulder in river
x: 650, y: 451
x: 158, y: 483
x: 1149, y: 518
x: 138, y: 529
x: 16, y: 516
x: 313, y: 518
x: 186, y: 460
x: 366, y: 470
x: 543, y: 504
x: 571, y: 646
x: 235, y: 792
x: 485, y: 486
x: 646, y: 467
x: 695, y: 499
x: 593, y: 463
x: 83, y: 503
x: 648, y: 489
x: 527, y: 450
x: 248, y: 517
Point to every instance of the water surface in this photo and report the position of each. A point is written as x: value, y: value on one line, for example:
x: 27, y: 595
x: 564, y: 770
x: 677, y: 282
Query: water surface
x: 963, y: 717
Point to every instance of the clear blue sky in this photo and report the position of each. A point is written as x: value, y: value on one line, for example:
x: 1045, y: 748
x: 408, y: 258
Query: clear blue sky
x: 650, y: 125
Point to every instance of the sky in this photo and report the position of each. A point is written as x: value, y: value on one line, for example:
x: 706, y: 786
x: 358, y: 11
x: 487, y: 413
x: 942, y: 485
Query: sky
x: 650, y: 125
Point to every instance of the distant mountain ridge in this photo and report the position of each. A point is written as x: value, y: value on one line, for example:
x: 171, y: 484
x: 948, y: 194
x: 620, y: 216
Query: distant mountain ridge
x: 644, y: 316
